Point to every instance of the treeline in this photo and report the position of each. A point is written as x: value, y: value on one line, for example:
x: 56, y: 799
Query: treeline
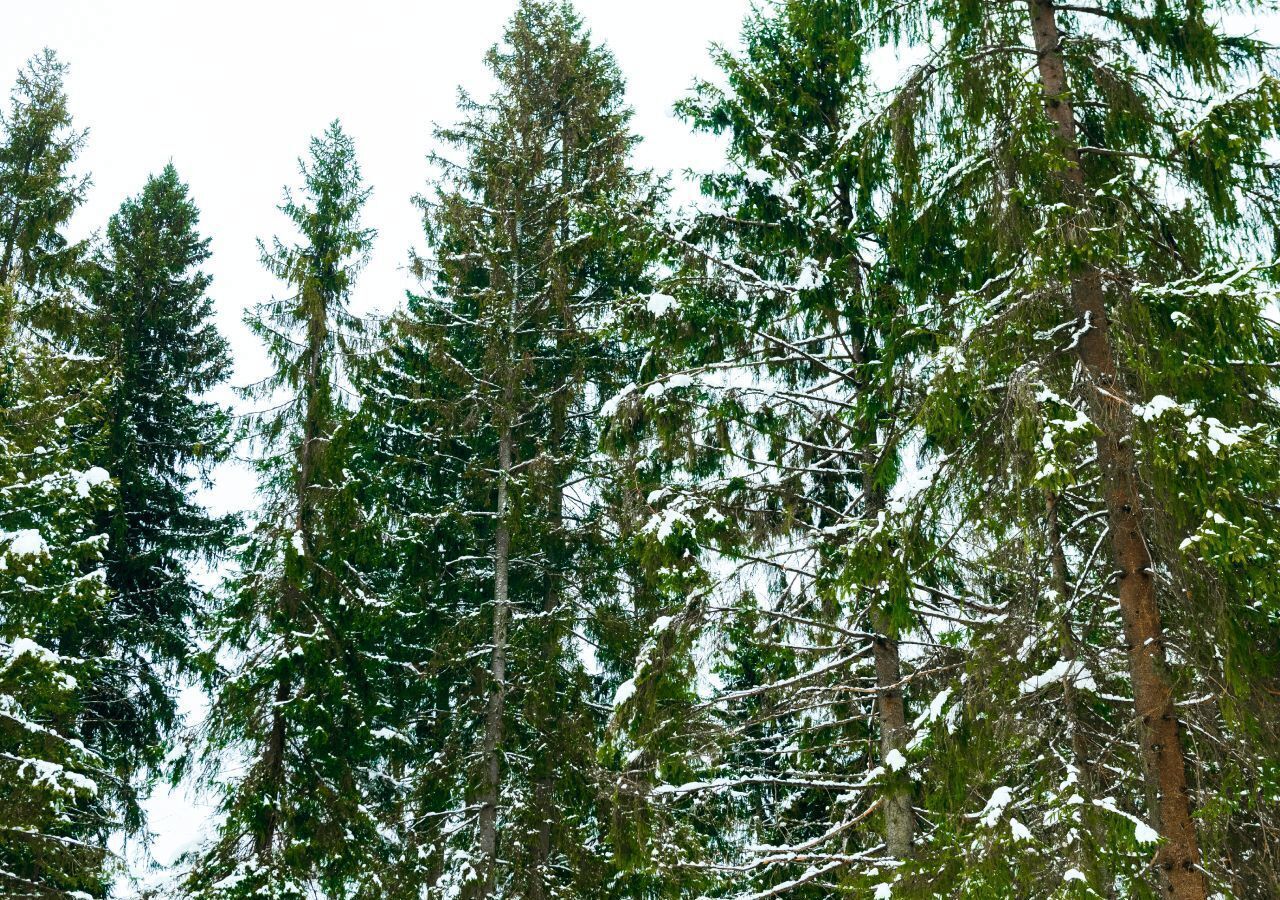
x: 899, y: 521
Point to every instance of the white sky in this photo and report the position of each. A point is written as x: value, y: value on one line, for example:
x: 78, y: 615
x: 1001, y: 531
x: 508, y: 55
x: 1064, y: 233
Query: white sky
x: 231, y: 91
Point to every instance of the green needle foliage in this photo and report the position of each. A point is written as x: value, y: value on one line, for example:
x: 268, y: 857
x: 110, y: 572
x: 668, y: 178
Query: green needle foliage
x: 151, y: 320
x: 481, y: 409
x: 782, y: 384
x: 60, y: 799
x: 977, y: 226
x: 1077, y: 196
x: 897, y: 521
x: 38, y: 190
x: 298, y: 700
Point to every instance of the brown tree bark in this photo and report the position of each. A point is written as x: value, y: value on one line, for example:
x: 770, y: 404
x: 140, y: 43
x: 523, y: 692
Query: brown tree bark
x: 264, y: 842
x: 891, y: 708
x: 899, y: 820
x: 1178, y: 858
x: 492, y: 750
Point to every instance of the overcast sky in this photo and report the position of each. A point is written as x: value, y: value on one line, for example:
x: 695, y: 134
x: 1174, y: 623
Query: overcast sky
x: 230, y: 91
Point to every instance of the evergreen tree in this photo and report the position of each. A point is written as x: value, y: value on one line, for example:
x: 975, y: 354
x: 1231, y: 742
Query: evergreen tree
x: 986, y: 218
x: 150, y: 319
x: 899, y: 523
x: 1076, y: 193
x: 785, y: 359
x: 38, y: 191
x: 59, y: 800
x: 482, y: 406
x: 301, y: 701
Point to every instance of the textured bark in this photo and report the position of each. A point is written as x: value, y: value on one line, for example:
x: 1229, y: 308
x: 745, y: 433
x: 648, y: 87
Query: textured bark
x: 488, y: 821
x: 273, y: 765
x: 891, y: 707
x: 899, y: 820
x: 544, y: 779
x: 1178, y: 858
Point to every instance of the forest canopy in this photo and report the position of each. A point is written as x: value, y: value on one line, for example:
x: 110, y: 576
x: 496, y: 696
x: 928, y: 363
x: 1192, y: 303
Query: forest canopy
x: 899, y: 517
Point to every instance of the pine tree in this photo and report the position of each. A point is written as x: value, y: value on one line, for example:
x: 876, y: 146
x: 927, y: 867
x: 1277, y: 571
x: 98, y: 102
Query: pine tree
x: 483, y: 407
x: 301, y: 700
x: 150, y: 319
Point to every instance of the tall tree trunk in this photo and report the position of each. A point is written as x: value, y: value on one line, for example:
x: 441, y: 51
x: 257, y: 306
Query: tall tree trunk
x: 1178, y: 858
x: 264, y: 843
x: 562, y: 319
x: 899, y: 820
x: 488, y: 825
x: 891, y: 709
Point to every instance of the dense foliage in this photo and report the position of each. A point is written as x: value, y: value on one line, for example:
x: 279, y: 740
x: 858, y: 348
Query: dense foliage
x: 898, y: 520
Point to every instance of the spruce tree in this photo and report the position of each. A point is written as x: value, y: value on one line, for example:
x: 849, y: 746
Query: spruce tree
x: 901, y: 522
x: 784, y: 359
x: 59, y: 800
x: 38, y: 190
x: 483, y: 406
x: 301, y: 697
x: 1077, y: 194
x: 987, y: 220
x: 150, y: 319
